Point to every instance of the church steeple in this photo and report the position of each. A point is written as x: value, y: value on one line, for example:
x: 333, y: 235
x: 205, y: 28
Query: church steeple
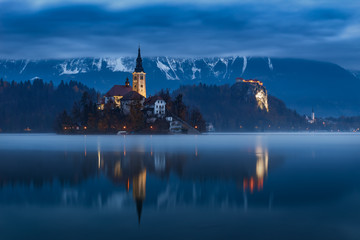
x: 139, y: 76
x: 139, y: 67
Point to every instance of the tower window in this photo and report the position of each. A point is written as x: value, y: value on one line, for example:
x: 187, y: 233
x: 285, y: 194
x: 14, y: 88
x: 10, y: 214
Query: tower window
x: 142, y: 86
x: 134, y: 86
x: 141, y: 77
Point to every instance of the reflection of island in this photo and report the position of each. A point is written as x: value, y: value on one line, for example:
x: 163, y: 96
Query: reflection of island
x: 131, y: 170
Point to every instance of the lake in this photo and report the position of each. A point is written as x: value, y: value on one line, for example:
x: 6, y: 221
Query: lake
x: 222, y: 186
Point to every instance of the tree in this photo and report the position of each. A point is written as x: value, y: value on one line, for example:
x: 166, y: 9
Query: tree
x: 196, y: 120
x: 179, y: 108
x: 136, y: 116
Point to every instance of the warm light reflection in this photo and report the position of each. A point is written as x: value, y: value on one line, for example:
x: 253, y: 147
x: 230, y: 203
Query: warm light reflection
x: 261, y: 170
x: 99, y: 156
x: 124, y: 147
x: 117, y: 169
x: 85, y: 152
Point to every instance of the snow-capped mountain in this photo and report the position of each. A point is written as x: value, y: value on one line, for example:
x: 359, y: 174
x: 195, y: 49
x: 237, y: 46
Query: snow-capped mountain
x: 302, y: 84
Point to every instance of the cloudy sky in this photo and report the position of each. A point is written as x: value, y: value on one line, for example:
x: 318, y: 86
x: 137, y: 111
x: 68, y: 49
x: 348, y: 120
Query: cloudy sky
x: 313, y: 29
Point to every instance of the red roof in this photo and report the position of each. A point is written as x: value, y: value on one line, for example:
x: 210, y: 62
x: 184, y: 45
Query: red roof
x: 132, y: 95
x: 118, y: 90
x: 152, y: 100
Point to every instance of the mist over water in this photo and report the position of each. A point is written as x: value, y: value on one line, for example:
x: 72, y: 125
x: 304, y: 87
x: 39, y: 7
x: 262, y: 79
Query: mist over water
x: 283, y: 186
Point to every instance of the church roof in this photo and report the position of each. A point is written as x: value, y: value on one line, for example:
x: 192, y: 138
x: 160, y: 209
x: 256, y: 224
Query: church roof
x: 118, y: 90
x: 132, y: 95
x: 139, y: 67
x: 152, y: 100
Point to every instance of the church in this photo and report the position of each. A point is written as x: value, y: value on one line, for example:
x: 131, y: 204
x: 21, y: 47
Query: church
x: 124, y: 96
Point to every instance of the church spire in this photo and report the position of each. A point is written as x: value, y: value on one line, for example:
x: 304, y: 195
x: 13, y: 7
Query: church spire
x: 139, y: 67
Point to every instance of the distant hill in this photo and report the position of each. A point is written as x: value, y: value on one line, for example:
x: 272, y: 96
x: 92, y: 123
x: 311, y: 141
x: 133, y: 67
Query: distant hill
x: 241, y: 107
x: 301, y: 84
x: 35, y: 105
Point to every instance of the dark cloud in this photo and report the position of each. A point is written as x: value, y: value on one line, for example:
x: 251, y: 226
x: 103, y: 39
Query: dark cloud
x: 69, y: 30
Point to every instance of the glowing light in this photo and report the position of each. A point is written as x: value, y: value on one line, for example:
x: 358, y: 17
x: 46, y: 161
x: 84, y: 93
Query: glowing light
x: 252, y: 81
x: 99, y: 156
x: 262, y: 100
x: 251, y: 185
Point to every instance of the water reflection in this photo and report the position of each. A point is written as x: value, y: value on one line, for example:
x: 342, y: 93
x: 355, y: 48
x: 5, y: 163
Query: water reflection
x: 186, y: 177
x: 240, y: 177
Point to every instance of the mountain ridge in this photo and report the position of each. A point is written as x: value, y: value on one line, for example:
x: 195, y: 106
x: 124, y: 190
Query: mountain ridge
x: 301, y: 84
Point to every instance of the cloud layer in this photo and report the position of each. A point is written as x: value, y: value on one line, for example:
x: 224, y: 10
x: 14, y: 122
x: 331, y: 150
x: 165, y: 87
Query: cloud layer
x: 322, y: 30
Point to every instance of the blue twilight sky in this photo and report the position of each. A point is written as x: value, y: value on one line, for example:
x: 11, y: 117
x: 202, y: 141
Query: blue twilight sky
x: 314, y: 29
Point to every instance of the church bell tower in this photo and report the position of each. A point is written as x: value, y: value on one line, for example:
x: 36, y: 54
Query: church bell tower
x: 139, y: 77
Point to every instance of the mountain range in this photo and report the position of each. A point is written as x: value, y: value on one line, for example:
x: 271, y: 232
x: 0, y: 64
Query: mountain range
x: 302, y: 84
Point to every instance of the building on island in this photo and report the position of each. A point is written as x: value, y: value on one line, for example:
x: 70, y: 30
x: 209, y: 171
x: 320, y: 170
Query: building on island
x: 155, y: 106
x: 312, y: 118
x: 130, y: 99
x: 114, y: 95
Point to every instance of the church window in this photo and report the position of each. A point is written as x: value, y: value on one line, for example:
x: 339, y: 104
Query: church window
x: 142, y: 86
x: 141, y: 77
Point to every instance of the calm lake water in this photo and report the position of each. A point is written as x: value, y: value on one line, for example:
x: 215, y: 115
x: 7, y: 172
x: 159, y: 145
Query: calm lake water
x: 233, y: 186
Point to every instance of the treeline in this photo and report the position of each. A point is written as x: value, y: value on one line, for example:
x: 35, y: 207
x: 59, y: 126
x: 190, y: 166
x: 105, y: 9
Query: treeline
x: 85, y: 117
x: 229, y: 108
x: 187, y: 112
x: 34, y: 105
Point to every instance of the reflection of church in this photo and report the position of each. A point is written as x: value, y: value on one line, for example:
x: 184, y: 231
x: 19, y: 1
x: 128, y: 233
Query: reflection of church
x: 124, y: 170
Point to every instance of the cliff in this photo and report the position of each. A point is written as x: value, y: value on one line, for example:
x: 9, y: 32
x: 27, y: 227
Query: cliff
x: 251, y: 93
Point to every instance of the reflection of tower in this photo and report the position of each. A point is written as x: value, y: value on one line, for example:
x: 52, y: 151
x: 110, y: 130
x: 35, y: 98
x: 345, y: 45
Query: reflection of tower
x: 117, y: 169
x: 139, y: 190
x: 99, y: 155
